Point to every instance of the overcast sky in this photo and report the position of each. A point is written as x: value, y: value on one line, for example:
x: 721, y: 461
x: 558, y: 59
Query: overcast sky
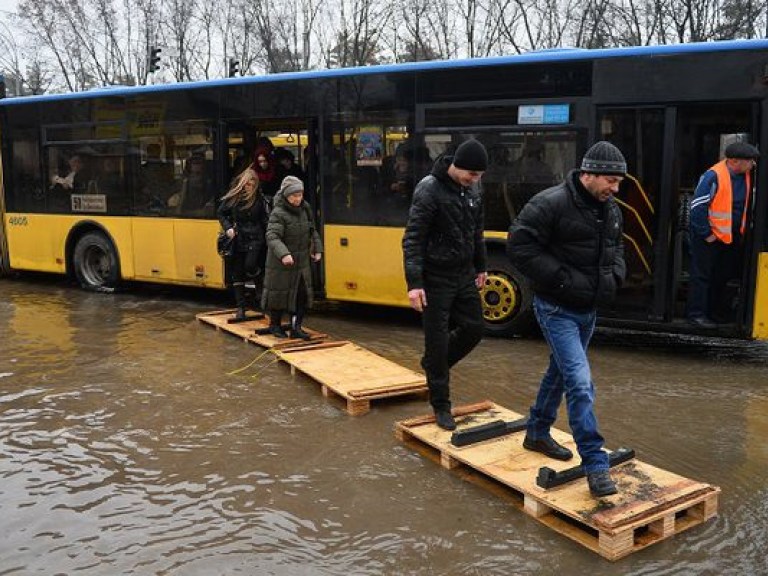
x: 8, y: 5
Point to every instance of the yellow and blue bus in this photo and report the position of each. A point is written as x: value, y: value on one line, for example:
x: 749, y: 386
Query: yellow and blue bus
x: 96, y: 184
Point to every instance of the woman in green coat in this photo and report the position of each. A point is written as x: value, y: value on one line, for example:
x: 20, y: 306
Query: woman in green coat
x: 292, y: 244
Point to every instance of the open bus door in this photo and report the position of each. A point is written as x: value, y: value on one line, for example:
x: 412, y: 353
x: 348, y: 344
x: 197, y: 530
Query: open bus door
x: 667, y: 149
x: 290, y: 143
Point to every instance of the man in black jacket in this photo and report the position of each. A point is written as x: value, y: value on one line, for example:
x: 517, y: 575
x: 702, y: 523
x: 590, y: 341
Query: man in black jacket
x: 445, y: 266
x: 567, y: 240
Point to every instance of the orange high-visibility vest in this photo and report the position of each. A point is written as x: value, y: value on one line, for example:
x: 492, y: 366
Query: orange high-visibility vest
x: 721, y: 206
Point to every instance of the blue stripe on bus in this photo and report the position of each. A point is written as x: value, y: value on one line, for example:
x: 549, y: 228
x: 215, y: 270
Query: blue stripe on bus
x: 536, y: 56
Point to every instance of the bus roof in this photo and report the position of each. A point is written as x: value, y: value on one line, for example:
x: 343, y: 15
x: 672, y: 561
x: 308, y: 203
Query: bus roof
x: 536, y: 56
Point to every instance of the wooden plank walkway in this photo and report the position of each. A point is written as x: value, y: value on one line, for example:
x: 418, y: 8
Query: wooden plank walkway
x: 344, y: 370
x: 652, y: 504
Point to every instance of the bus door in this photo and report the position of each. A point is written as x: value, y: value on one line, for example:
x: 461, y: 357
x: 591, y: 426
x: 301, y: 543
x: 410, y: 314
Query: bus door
x: 667, y: 149
x: 703, y: 131
x: 283, y: 144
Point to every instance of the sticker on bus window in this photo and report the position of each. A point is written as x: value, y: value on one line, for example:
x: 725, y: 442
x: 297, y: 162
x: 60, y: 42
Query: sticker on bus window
x: 89, y: 203
x: 543, y: 114
x: 369, y: 146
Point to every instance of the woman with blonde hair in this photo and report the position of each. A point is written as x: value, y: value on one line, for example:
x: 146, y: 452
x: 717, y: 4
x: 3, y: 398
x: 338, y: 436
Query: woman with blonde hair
x: 243, y: 214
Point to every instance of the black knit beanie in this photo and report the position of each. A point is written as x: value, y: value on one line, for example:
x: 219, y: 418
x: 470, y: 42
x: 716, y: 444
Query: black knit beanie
x: 604, y: 158
x: 471, y: 155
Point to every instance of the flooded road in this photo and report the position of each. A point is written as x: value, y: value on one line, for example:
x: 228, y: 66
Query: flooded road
x: 127, y: 447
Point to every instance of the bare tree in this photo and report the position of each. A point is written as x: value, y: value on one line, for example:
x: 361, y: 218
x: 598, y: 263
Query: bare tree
x: 410, y: 39
x: 75, y: 44
x: 180, y: 36
x: 355, y: 38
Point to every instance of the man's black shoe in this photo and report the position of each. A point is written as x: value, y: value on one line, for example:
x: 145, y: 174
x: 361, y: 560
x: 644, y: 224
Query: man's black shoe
x: 548, y: 447
x: 445, y: 420
x: 702, y: 322
x: 299, y: 333
x: 601, y: 484
x: 277, y: 332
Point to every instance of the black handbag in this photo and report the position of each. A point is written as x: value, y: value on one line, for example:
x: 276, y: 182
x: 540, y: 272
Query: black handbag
x: 225, y: 245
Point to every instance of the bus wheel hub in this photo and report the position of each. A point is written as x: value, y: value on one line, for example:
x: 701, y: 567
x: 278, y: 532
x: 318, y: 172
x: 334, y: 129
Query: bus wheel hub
x: 499, y: 296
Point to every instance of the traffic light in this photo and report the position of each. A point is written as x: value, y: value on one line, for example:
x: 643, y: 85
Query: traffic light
x: 153, y: 58
x: 234, y: 67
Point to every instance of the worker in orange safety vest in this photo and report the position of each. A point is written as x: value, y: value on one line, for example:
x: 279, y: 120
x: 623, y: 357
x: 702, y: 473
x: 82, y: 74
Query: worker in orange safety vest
x: 718, y: 222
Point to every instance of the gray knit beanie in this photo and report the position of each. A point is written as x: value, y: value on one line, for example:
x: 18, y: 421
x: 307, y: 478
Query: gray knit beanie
x: 291, y: 185
x: 604, y: 158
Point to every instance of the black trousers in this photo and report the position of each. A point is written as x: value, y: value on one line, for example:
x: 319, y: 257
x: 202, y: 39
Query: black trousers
x: 453, y: 326
x: 243, y: 265
x: 712, y: 266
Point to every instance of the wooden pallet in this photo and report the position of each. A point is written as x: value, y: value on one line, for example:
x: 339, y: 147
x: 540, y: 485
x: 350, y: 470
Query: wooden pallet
x: 652, y: 504
x: 220, y: 319
x: 353, y: 373
x: 345, y: 371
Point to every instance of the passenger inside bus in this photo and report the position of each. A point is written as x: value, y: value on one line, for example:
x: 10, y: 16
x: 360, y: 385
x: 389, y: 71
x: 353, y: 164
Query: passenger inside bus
x: 264, y: 165
x: 109, y: 179
x: 401, y: 173
x: 196, y: 195
x: 286, y: 165
x: 530, y: 167
x: 156, y: 178
x: 74, y: 178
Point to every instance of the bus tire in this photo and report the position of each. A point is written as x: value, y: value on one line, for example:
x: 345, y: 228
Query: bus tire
x: 95, y: 263
x: 507, y: 299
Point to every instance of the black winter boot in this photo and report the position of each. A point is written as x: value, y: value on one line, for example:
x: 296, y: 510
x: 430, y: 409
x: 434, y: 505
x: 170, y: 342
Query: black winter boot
x: 239, y: 289
x: 296, y: 331
x: 275, y: 316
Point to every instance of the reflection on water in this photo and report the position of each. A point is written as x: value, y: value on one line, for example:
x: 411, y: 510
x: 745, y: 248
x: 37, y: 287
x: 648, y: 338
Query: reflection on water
x: 126, y: 448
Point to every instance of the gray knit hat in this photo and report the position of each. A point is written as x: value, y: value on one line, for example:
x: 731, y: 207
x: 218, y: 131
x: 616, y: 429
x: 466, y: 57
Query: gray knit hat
x: 604, y: 158
x: 291, y: 185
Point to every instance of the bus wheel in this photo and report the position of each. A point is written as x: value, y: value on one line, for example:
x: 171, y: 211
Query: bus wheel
x: 507, y: 299
x: 95, y: 262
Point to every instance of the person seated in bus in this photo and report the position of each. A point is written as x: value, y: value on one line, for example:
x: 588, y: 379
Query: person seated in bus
x: 718, y: 222
x: 264, y: 166
x: 75, y: 178
x: 196, y: 195
x: 293, y: 243
x: 109, y: 180
x: 156, y: 181
x: 401, y: 174
x: 243, y: 214
x: 530, y: 167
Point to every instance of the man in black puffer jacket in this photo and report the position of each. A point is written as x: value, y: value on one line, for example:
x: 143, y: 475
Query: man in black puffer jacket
x: 568, y: 241
x: 445, y: 266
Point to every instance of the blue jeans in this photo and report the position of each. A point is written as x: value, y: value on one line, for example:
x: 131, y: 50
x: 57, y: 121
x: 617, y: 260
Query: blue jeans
x: 568, y: 333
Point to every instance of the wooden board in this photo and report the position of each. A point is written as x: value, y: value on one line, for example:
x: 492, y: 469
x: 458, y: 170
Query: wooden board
x: 344, y: 370
x: 355, y: 374
x: 246, y: 330
x: 652, y: 504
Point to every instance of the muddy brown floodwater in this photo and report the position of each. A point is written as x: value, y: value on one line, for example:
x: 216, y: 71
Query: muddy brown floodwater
x: 127, y: 447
